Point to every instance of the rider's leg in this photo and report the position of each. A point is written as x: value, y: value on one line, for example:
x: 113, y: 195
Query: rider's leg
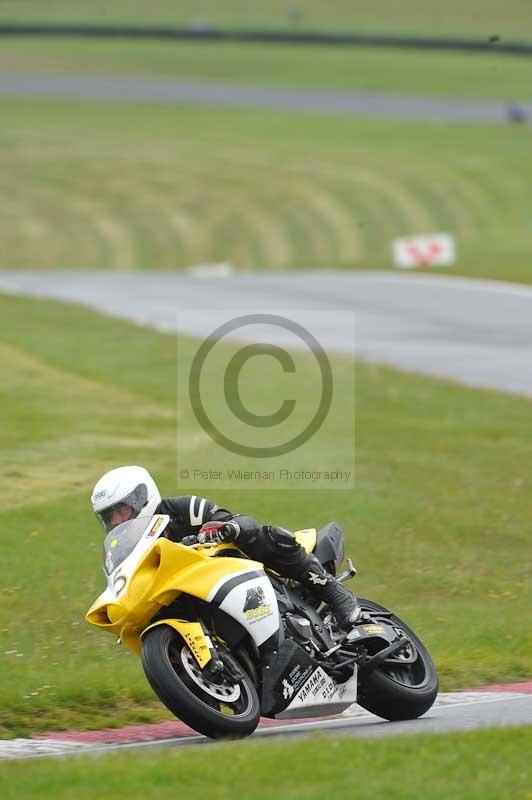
x: 278, y: 549
x: 325, y: 586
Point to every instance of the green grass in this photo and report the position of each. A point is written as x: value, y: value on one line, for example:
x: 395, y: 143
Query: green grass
x: 487, y: 765
x: 125, y: 186
x: 439, y: 523
x: 339, y: 68
x: 480, y: 18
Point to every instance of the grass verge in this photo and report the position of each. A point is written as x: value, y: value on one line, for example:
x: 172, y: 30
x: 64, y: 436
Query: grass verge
x: 125, y: 186
x: 439, y: 523
x: 486, y: 764
x: 339, y: 68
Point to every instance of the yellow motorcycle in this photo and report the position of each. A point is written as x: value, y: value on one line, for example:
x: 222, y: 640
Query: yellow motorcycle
x: 224, y: 641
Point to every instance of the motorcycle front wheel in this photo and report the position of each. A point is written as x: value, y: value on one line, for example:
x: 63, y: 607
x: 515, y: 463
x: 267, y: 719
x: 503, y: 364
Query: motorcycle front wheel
x: 395, y: 690
x: 218, y: 708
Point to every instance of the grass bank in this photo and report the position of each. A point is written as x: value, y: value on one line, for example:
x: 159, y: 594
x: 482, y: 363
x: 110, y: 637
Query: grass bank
x: 125, y: 186
x: 439, y: 523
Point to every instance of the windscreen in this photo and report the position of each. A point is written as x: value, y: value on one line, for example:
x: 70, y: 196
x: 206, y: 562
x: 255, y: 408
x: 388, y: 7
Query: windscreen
x: 121, y: 541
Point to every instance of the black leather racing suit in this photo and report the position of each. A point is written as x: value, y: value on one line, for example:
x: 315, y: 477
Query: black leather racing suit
x: 273, y: 546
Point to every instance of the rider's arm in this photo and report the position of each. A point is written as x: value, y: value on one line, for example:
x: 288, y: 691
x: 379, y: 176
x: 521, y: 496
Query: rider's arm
x: 188, y: 513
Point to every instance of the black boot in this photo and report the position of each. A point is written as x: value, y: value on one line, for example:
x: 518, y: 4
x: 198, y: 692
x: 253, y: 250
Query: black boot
x: 326, y: 588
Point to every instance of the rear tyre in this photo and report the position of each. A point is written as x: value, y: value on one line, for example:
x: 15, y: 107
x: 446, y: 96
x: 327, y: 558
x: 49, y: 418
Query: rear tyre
x: 394, y: 691
x: 220, y: 708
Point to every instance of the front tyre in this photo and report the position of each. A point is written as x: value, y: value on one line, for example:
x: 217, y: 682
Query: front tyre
x: 217, y: 708
x: 396, y: 691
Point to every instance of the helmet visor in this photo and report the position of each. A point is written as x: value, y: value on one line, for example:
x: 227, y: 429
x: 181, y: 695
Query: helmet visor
x: 115, y: 515
x: 127, y: 508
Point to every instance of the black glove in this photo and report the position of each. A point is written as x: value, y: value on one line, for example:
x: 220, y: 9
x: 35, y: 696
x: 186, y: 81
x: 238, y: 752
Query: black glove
x: 218, y: 532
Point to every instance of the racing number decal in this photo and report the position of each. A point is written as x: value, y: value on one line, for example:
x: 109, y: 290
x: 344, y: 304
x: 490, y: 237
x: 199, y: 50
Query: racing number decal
x: 119, y: 583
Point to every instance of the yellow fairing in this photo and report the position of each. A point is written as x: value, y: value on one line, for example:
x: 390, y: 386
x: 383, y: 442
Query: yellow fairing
x: 166, y: 570
x: 192, y: 633
x: 307, y: 538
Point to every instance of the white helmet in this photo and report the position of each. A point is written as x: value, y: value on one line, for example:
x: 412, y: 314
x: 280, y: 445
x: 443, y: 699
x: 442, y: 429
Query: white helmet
x: 125, y: 486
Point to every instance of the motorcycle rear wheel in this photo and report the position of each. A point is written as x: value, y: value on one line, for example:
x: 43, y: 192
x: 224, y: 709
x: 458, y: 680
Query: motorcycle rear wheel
x: 395, y: 691
x: 219, y: 710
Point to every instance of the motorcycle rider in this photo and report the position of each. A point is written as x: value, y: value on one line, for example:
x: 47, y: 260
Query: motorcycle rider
x: 128, y: 492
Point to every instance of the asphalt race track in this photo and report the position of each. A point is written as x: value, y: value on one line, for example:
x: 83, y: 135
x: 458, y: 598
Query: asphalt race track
x: 476, y: 332
x: 161, y: 90
x: 455, y: 711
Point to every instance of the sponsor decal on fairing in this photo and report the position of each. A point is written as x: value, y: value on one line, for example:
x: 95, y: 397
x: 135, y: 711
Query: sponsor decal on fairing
x: 321, y: 690
x: 288, y: 689
x: 252, y: 602
x: 255, y: 606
